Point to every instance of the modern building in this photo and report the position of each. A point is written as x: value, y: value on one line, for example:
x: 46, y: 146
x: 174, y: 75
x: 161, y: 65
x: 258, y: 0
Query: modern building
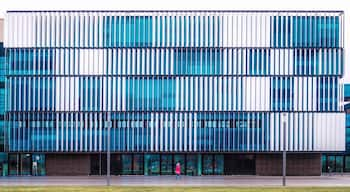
x: 221, y: 92
x: 3, y: 128
x: 340, y: 162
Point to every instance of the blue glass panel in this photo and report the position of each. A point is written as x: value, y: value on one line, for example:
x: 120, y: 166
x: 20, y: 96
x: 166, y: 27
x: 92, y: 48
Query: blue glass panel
x: 330, y: 89
x: 306, y: 62
x: 148, y: 94
x: 127, y: 31
x: 347, y: 91
x: 281, y: 94
x: 257, y: 61
x: 21, y: 61
x: 281, y: 31
x: 198, y: 61
x: 308, y: 31
x: 216, y: 129
x: 91, y: 93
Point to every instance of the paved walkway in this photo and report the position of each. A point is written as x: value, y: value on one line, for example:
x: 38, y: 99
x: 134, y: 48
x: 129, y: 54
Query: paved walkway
x: 243, y: 181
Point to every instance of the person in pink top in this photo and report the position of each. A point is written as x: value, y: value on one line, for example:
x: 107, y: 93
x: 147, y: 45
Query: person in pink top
x: 178, y: 170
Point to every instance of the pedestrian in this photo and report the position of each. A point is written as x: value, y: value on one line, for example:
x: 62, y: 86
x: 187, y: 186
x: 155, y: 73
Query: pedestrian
x: 178, y: 170
x: 35, y: 168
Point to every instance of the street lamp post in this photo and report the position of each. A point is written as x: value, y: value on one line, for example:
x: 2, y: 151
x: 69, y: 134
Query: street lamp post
x: 108, y: 155
x: 284, y: 149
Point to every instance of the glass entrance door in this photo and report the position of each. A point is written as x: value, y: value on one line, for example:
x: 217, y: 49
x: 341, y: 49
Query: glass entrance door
x: 26, y: 164
x: 13, y: 164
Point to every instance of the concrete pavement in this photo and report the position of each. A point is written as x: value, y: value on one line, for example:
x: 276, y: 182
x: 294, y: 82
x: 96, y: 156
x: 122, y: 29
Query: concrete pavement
x: 238, y: 181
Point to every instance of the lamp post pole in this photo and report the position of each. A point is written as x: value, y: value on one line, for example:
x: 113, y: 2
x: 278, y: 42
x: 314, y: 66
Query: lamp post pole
x: 284, y: 149
x: 109, y: 155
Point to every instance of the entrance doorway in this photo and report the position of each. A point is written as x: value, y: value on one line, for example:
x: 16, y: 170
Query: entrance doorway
x: 236, y: 164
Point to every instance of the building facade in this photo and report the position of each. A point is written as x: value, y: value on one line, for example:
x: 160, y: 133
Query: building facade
x: 3, y: 128
x: 221, y: 92
x: 340, y: 162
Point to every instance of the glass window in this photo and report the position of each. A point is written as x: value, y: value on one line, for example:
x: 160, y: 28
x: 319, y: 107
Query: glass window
x: 207, y: 166
x: 198, y: 61
x: 347, y: 135
x: 257, y: 61
x: 138, y: 164
x: 152, y: 164
x: 22, y: 61
x: 26, y: 164
x: 306, y: 62
x: 281, y: 31
x: 91, y: 92
x: 324, y: 163
x: 339, y: 164
x: 143, y: 93
x: 13, y: 164
x: 331, y: 164
x: 167, y: 165
x: 314, y: 31
x: 347, y: 91
x: 3, y: 164
x: 180, y: 159
x: 38, y: 165
x: 128, y: 31
x: 347, y: 164
x: 281, y: 93
x: 191, y: 165
x: 325, y: 31
x: 2, y: 49
x: 219, y: 165
x: 127, y: 164
x: 327, y: 89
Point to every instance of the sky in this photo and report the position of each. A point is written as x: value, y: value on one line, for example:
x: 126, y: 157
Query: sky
x: 188, y: 5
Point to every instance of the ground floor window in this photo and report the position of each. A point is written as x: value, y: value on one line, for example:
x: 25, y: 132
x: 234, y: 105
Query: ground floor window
x: 219, y: 164
x: 192, y: 164
x: 180, y: 158
x: 38, y: 165
x: 138, y: 164
x: 152, y: 164
x: 26, y: 164
x: 335, y: 163
x: 127, y: 162
x: 3, y: 164
x: 213, y: 164
x: 339, y: 164
x: 208, y: 164
x: 347, y: 163
x: 167, y: 165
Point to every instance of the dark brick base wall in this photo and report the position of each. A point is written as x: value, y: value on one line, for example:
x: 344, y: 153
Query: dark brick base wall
x: 67, y: 164
x: 297, y: 164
